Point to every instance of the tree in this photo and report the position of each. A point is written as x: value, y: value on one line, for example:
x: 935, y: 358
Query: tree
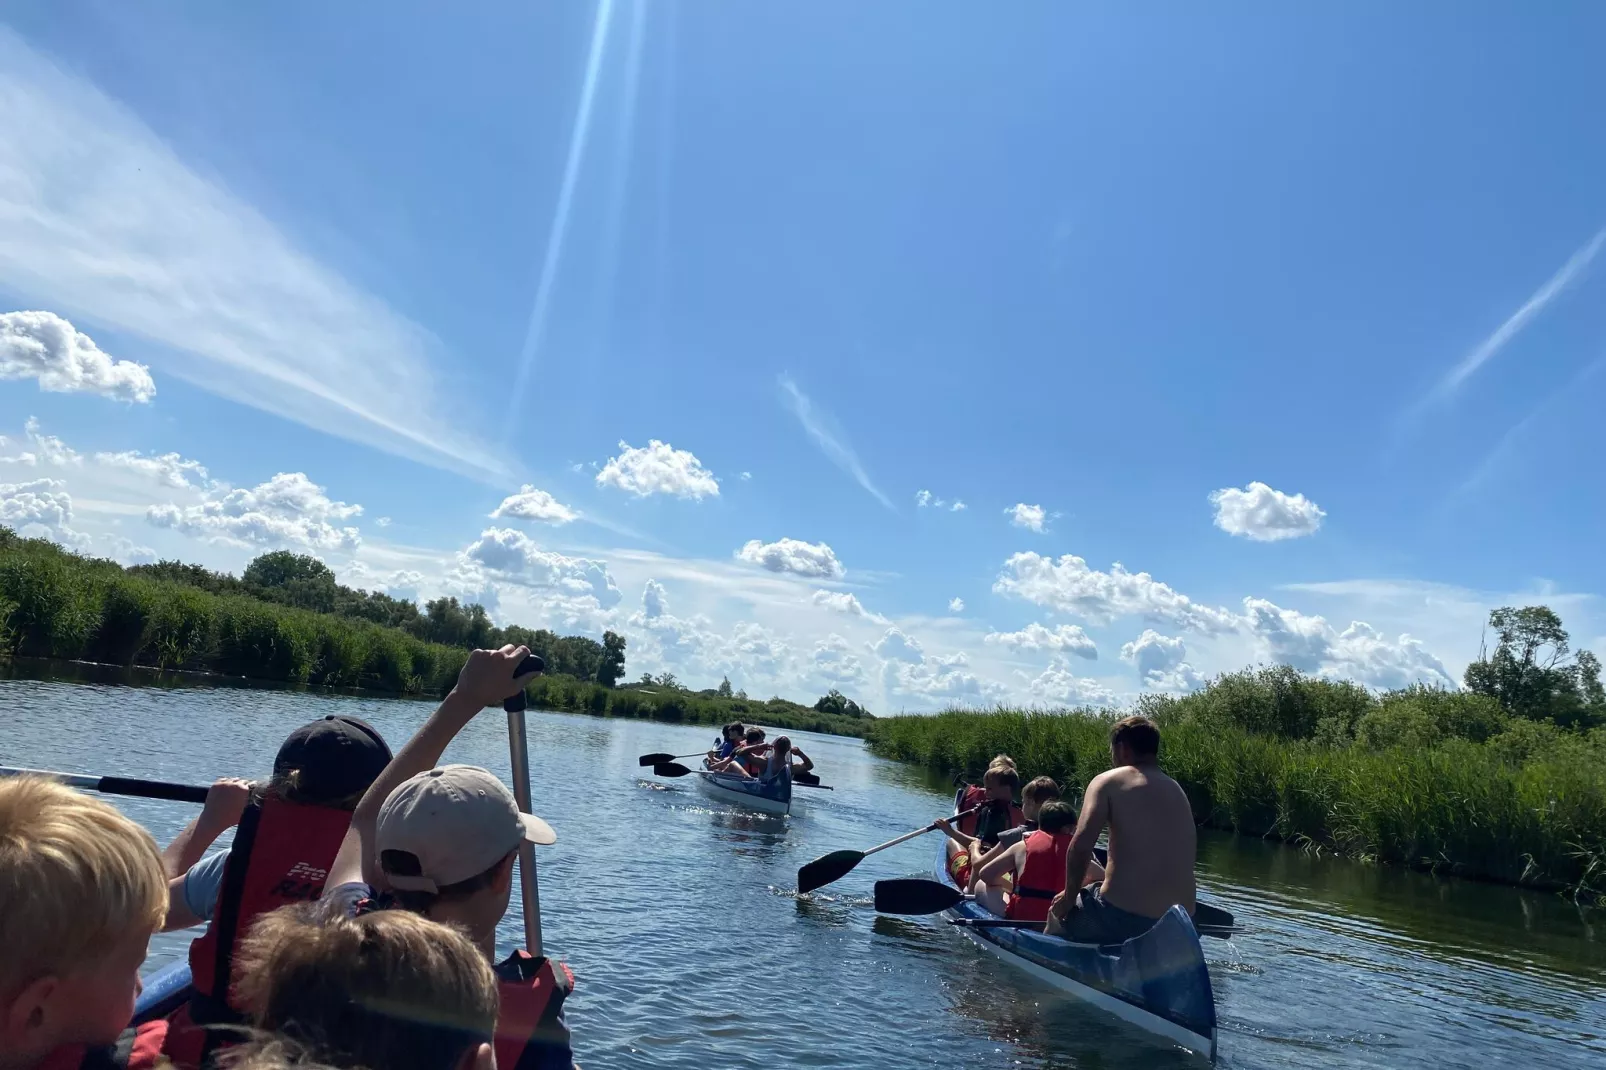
x: 725, y: 687
x: 1534, y: 673
x: 612, y: 664
x: 294, y: 579
x: 834, y: 701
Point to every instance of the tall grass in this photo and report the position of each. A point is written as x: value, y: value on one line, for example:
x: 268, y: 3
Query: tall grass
x: 1455, y: 805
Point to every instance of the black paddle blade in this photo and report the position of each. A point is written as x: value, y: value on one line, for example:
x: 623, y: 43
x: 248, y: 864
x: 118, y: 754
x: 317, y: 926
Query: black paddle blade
x: 670, y: 769
x: 827, y: 868
x: 802, y: 777
x: 1206, y: 916
x: 912, y: 895
x: 656, y: 759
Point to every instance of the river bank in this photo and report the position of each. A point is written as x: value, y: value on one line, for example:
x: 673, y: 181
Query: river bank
x: 1489, y: 811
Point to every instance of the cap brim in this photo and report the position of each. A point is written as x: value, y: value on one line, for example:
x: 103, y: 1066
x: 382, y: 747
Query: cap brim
x: 537, y: 831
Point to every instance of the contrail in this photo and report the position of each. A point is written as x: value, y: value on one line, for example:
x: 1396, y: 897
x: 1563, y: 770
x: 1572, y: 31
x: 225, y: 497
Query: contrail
x: 818, y: 425
x: 560, y: 214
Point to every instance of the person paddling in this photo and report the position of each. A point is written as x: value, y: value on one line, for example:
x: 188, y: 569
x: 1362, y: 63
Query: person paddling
x: 779, y: 764
x: 1152, y: 846
x: 1036, y: 863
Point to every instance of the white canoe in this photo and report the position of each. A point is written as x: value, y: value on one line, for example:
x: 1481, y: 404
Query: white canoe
x: 773, y: 798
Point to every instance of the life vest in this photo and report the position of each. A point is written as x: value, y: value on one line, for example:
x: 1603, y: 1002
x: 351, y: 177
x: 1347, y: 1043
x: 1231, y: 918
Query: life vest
x: 756, y: 761
x: 992, y: 819
x: 530, y: 1031
x: 1041, y: 877
x: 281, y: 855
x: 138, y: 1048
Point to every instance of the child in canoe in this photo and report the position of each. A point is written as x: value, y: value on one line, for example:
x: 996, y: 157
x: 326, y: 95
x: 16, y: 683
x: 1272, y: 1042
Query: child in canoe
x: 1035, y: 865
x: 780, y: 762
x: 747, y: 759
x: 976, y: 833
x: 1033, y: 797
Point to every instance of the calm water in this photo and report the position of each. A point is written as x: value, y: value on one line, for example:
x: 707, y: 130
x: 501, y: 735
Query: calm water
x: 691, y: 952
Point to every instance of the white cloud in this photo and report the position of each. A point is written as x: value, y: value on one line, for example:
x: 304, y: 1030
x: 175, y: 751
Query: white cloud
x: 47, y: 449
x: 532, y: 504
x: 658, y: 468
x: 1067, y: 637
x: 1060, y: 686
x: 1360, y: 652
x: 383, y: 522
x: 1069, y: 586
x: 127, y: 552
x: 287, y: 510
x: 1160, y: 661
x: 43, y: 346
x: 826, y: 435
x: 1030, y: 517
x: 104, y: 222
x: 40, y: 504
x: 897, y: 646
x: 1257, y: 512
x: 516, y: 557
x: 816, y: 560
x: 925, y: 499
x: 745, y: 476
x: 956, y: 605
x: 957, y: 506
x: 169, y: 469
x: 834, y: 660
x: 845, y: 602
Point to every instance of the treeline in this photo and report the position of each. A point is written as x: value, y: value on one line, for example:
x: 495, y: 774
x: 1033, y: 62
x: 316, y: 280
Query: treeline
x: 657, y: 700
x: 56, y: 604
x: 1504, y: 781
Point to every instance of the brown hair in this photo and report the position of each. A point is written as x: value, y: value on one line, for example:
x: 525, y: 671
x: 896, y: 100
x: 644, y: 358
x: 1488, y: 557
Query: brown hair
x: 1139, y: 733
x: 998, y: 776
x: 286, y: 785
x: 1056, y: 816
x: 735, y: 728
x: 754, y: 735
x: 1040, y: 790
x: 406, y: 864
x: 77, y: 879
x: 389, y: 989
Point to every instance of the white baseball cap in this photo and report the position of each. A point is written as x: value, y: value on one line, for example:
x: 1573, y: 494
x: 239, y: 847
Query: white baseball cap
x: 458, y: 821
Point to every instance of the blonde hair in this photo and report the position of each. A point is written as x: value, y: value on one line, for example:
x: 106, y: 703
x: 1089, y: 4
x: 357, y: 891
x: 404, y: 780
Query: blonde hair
x: 1000, y: 776
x: 267, y: 1052
x: 1002, y: 761
x: 390, y: 989
x: 77, y: 878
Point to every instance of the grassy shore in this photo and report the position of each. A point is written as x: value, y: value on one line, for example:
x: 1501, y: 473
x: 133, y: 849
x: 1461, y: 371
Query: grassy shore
x: 1429, y: 779
x: 654, y: 702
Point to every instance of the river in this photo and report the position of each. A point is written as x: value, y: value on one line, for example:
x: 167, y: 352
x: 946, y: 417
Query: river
x: 691, y: 950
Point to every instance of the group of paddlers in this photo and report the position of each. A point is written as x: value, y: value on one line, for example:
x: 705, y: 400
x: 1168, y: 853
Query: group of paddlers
x: 351, y: 924
x: 743, y: 752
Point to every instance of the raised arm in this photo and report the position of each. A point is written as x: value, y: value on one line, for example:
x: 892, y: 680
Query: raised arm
x: 486, y: 679
x: 225, y: 802
x: 808, y: 763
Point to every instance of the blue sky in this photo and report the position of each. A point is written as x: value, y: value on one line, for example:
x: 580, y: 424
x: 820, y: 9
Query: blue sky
x: 1096, y: 264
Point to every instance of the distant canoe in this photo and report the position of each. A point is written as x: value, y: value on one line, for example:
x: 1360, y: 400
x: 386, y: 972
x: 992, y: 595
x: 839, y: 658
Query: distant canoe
x: 772, y: 798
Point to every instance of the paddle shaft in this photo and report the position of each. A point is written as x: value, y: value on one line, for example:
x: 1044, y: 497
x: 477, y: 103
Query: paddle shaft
x: 519, y: 758
x: 917, y: 832
x: 116, y: 785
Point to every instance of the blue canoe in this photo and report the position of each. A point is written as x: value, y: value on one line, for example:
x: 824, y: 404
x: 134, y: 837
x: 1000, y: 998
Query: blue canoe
x: 166, y: 991
x: 1157, y: 981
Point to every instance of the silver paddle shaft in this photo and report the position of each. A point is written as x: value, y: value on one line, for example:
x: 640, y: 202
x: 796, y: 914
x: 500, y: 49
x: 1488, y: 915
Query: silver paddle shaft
x: 519, y: 753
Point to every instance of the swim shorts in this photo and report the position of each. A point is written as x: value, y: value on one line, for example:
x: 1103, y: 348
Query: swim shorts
x: 1095, y: 921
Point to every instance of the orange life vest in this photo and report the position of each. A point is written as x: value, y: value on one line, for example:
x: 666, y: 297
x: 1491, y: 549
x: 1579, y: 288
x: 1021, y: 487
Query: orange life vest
x: 1041, y: 877
x: 281, y: 854
x: 530, y: 1031
x: 138, y: 1048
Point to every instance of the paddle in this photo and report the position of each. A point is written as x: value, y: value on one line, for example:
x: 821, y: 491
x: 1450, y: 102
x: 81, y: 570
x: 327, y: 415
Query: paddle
x: 915, y: 895
x: 661, y: 759
x: 838, y: 864
x: 799, y: 779
x: 519, y: 759
x: 116, y: 785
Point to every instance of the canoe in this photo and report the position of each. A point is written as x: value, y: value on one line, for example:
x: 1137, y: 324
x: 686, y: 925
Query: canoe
x: 1157, y: 981
x: 165, y: 991
x: 772, y: 798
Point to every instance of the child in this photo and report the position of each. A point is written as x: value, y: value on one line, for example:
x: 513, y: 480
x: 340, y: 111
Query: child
x: 81, y: 892
x: 978, y: 832
x: 1039, y: 791
x: 389, y: 989
x: 1037, y: 864
x: 290, y: 829
x: 731, y: 738
x: 747, y: 759
x: 779, y: 763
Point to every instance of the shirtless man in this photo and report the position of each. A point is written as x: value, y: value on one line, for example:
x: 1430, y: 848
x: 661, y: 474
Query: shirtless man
x: 1152, y: 845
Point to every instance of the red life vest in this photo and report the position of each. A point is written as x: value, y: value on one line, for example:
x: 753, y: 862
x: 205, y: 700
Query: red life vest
x: 973, y: 797
x: 138, y: 1048
x: 756, y: 761
x: 281, y: 854
x: 1041, y: 877
x: 530, y: 1031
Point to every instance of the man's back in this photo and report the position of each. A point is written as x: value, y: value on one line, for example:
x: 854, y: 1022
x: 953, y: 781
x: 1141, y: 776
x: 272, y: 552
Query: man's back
x: 1152, y: 841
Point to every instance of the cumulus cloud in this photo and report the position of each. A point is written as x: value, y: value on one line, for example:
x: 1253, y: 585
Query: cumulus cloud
x: 1068, y: 585
x: 1034, y: 637
x: 1058, y: 685
x: 897, y: 646
x: 907, y: 668
x: 47, y: 449
x: 845, y: 602
x: 1360, y: 652
x: 168, y: 469
x: 1030, y: 517
x: 956, y: 605
x: 926, y: 500
x: 532, y: 504
x: 813, y: 559
x: 1160, y: 661
x: 1265, y: 515
x: 43, y: 346
x: 41, y: 508
x: 834, y: 659
x: 287, y: 510
x: 658, y: 468
x: 126, y: 551
x: 516, y: 557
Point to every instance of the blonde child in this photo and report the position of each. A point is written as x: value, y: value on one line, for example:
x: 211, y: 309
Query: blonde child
x: 82, y: 889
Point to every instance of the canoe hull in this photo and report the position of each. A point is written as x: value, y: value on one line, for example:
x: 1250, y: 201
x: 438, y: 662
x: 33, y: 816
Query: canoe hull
x: 737, y: 791
x: 1157, y: 982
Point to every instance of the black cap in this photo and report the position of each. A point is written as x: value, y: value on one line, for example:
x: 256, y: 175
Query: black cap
x: 335, y: 758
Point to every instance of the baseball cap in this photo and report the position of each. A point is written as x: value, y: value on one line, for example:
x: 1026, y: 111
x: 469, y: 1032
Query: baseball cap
x: 335, y: 758
x: 458, y: 821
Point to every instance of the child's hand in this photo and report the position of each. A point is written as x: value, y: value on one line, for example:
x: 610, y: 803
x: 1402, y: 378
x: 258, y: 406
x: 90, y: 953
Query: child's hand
x: 487, y: 677
x: 942, y: 823
x: 225, y: 802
